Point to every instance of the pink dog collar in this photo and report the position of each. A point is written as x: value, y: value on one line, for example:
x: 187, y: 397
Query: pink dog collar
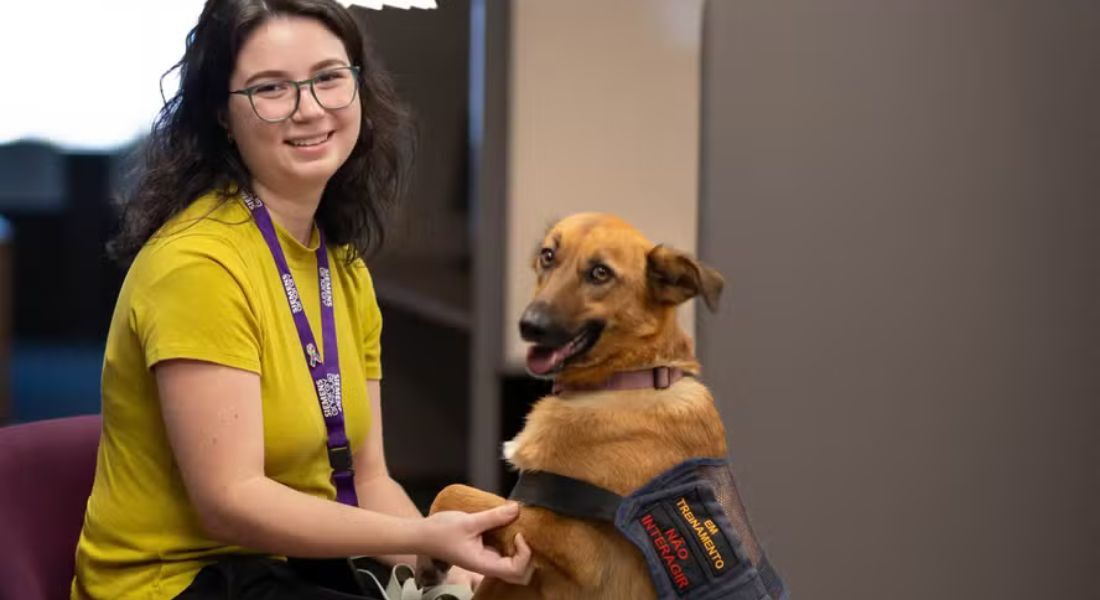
x: 657, y: 378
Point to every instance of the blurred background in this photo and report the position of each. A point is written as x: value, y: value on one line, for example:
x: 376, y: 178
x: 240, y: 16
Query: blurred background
x: 903, y: 197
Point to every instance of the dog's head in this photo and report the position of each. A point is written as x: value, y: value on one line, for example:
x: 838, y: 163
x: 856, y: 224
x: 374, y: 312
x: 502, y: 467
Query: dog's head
x: 606, y: 300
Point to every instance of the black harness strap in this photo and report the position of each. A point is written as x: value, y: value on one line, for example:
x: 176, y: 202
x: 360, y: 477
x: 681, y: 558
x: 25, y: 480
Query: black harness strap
x: 566, y: 496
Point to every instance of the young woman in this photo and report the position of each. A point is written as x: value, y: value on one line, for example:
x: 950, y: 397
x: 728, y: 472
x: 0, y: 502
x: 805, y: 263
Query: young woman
x: 241, y: 398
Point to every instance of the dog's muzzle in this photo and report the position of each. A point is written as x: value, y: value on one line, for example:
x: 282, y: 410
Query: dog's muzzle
x: 539, y: 325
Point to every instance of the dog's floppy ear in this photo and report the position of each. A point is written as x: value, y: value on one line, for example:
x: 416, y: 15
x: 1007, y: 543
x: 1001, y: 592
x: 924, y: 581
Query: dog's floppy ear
x: 674, y: 276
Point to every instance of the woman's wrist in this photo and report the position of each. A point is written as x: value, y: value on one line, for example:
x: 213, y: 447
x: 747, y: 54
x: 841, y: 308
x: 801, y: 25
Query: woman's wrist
x: 425, y: 536
x: 431, y: 568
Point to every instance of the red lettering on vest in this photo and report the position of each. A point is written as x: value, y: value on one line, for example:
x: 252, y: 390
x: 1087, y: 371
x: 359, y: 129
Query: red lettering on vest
x: 678, y: 544
x: 671, y: 550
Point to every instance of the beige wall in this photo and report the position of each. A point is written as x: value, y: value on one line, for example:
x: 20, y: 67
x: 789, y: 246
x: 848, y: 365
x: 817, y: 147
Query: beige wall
x: 604, y: 116
x: 903, y: 196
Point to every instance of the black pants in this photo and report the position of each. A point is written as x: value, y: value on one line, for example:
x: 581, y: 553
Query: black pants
x: 261, y: 578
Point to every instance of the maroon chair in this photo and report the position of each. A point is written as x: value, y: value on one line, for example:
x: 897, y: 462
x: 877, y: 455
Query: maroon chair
x: 46, y: 472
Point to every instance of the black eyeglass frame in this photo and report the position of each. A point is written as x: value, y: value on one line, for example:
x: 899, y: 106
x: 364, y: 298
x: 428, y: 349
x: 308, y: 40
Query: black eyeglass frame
x: 250, y: 90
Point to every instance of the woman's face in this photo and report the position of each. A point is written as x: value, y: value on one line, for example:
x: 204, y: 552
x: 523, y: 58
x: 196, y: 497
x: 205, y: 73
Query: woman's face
x: 305, y: 150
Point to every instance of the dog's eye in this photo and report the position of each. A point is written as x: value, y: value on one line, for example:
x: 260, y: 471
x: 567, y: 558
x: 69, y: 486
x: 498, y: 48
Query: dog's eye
x: 546, y: 258
x: 600, y: 274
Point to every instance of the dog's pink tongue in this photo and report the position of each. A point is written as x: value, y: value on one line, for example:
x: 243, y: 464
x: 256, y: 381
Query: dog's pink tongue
x: 541, y: 360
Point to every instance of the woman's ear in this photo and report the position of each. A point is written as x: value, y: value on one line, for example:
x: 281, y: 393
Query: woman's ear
x: 674, y: 276
x: 223, y: 121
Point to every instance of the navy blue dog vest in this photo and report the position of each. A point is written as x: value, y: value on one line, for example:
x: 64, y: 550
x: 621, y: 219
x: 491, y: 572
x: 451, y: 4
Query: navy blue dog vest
x: 682, y: 521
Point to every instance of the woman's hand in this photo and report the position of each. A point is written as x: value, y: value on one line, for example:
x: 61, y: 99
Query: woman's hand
x: 455, y: 537
x: 460, y: 576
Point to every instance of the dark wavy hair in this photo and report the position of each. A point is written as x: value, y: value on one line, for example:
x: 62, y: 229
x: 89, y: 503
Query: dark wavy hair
x: 187, y: 153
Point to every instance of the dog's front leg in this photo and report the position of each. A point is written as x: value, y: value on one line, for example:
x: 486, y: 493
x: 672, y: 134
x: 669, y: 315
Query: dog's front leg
x: 464, y: 498
x: 572, y: 547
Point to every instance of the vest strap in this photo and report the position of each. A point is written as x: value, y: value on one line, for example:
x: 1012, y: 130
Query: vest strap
x: 566, y: 496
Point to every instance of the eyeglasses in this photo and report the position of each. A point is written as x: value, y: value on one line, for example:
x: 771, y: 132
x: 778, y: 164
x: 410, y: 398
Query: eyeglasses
x: 276, y: 101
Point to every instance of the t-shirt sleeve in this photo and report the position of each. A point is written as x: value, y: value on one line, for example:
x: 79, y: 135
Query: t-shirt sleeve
x: 372, y: 329
x: 193, y: 303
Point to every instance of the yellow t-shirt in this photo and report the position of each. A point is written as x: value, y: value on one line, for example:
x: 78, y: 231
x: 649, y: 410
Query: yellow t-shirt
x: 206, y: 288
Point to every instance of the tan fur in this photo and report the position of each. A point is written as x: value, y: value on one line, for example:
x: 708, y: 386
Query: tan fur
x: 618, y: 440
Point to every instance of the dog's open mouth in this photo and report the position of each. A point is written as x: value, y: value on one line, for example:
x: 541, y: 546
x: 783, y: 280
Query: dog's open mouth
x: 546, y: 360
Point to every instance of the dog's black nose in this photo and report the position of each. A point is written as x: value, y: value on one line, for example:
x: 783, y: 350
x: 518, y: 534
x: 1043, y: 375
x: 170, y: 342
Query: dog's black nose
x: 538, y: 326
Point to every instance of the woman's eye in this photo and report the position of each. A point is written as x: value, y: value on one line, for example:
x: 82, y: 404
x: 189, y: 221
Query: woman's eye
x: 271, y: 90
x: 546, y: 257
x: 331, y: 77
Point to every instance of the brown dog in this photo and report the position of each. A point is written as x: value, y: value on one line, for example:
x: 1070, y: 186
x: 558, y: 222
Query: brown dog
x: 605, y: 304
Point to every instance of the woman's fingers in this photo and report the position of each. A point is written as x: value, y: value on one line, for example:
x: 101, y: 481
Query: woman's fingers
x: 513, y: 569
x: 522, y: 559
x: 495, y: 517
x: 458, y: 575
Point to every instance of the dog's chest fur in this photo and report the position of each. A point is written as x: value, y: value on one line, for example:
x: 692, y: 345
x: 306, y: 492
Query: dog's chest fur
x: 619, y: 439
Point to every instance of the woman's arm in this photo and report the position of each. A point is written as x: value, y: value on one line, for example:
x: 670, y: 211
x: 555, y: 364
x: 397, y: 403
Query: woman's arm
x: 213, y: 415
x: 214, y: 420
x: 374, y: 487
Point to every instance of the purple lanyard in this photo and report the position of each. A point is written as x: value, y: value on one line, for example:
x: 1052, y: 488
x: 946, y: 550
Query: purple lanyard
x: 326, y: 375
